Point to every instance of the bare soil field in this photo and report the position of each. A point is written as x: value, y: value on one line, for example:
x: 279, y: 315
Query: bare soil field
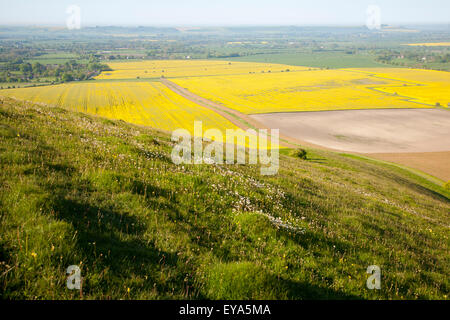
x: 417, y: 138
x: 435, y: 163
x: 367, y: 131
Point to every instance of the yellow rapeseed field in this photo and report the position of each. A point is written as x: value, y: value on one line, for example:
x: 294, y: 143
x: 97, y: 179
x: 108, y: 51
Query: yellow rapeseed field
x: 421, y: 86
x: 144, y: 103
x: 240, y: 86
x: 188, y: 68
x: 313, y: 90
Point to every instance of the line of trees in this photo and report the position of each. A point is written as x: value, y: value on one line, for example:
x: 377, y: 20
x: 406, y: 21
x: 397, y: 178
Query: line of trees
x: 395, y: 57
x: 21, y: 71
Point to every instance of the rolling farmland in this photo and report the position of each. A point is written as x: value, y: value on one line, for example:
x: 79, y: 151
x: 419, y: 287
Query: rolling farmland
x: 319, y: 90
x: 420, y: 86
x: 242, y: 86
x: 225, y: 94
x: 97, y: 179
x: 144, y: 103
x: 188, y: 68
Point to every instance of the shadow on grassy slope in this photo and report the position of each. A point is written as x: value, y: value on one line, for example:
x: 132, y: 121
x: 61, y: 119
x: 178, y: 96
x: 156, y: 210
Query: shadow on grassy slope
x: 108, y: 242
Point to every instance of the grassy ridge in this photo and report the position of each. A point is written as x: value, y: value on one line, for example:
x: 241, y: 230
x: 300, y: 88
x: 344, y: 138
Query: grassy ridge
x: 104, y: 195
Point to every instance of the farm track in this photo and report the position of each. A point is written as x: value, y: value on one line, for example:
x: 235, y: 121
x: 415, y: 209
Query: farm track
x: 239, y: 119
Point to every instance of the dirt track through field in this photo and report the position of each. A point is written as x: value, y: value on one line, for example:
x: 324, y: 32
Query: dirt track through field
x: 239, y: 119
x: 404, y: 136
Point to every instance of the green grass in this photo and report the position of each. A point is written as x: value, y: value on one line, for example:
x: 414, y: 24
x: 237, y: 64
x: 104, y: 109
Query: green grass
x: 330, y: 60
x: 57, y: 58
x: 104, y: 195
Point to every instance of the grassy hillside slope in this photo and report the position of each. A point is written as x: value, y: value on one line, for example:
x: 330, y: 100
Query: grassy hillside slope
x: 104, y: 195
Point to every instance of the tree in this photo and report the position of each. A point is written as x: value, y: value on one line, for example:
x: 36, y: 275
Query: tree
x: 66, y: 77
x: 300, y: 153
x: 38, y: 68
x: 26, y: 68
x: 17, y: 61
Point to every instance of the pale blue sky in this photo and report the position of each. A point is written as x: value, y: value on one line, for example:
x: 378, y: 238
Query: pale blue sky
x: 225, y: 12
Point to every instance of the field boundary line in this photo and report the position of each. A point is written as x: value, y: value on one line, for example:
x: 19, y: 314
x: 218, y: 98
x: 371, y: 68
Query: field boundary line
x: 376, y: 88
x: 238, y: 118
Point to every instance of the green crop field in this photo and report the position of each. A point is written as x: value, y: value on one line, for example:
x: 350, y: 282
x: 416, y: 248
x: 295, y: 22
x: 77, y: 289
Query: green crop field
x: 56, y: 58
x: 315, y: 59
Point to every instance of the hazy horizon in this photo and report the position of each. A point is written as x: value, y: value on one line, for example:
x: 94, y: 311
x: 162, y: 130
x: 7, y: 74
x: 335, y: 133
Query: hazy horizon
x: 343, y: 25
x: 220, y: 14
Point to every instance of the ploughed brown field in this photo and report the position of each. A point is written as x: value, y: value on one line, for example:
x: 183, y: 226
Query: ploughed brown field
x: 419, y: 138
x: 435, y: 163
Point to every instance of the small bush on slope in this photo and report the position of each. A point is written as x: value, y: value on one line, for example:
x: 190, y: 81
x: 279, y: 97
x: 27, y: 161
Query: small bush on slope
x: 300, y: 153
